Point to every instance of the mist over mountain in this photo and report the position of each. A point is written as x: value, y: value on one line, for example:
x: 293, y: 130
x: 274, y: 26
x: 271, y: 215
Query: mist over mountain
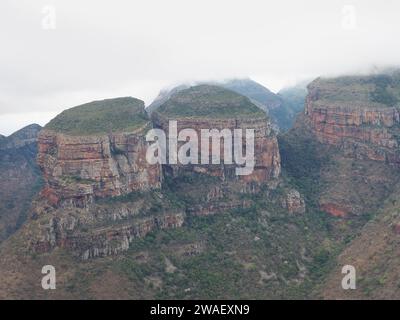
x: 281, y: 107
x: 200, y: 150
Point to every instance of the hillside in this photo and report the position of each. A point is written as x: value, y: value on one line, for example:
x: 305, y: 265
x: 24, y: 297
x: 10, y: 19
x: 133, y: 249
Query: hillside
x: 20, y: 178
x: 97, y: 117
x: 208, y: 102
x: 343, y: 155
x: 194, y: 235
x: 322, y: 195
x: 375, y: 254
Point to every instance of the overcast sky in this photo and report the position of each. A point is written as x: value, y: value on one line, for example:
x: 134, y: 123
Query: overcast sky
x: 55, y: 54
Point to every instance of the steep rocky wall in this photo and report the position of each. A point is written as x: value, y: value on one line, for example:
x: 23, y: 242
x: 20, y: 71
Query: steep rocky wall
x: 77, y: 169
x: 266, y: 151
x: 362, y: 129
x: 65, y: 231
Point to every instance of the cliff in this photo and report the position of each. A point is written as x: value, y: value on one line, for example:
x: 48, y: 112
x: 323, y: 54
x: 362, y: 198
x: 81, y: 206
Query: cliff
x: 212, y: 107
x: 108, y: 159
x: 360, y: 115
x: 93, y: 157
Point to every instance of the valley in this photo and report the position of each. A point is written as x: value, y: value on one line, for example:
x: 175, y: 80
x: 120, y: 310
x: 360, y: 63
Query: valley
x: 322, y: 194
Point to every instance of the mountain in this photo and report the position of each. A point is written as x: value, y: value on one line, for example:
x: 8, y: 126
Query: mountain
x: 293, y: 99
x: 207, y: 106
x: 320, y: 196
x: 343, y: 155
x: 163, y: 96
x: 281, y: 107
x: 374, y: 253
x: 116, y: 227
x: 360, y: 115
x: 259, y: 94
x: 20, y: 177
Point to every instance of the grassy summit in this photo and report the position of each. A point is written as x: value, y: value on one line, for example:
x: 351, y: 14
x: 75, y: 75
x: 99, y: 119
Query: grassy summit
x: 206, y: 101
x: 97, y: 117
x: 374, y: 90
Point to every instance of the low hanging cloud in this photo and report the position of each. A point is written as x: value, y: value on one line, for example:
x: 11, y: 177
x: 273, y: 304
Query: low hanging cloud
x: 57, y: 54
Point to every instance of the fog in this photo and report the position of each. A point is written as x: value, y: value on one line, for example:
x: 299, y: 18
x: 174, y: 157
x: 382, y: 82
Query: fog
x: 56, y: 54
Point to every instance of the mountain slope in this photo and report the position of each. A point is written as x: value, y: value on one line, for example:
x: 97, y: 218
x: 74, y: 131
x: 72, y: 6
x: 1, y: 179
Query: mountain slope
x: 20, y: 177
x: 343, y: 155
x: 195, y: 236
x: 375, y: 255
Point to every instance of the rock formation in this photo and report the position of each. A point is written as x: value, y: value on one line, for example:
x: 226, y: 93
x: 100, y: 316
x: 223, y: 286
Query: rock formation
x: 79, y: 167
x: 93, y: 157
x: 202, y: 107
x: 343, y: 112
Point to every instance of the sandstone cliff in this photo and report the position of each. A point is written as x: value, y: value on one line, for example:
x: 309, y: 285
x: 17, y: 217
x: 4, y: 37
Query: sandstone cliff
x: 344, y: 113
x: 344, y: 146
x: 211, y: 107
x: 109, y: 161
x: 93, y: 160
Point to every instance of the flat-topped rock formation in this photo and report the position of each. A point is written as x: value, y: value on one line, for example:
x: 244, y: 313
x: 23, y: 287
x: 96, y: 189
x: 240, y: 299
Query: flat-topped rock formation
x: 212, y: 107
x: 96, y: 150
x: 361, y: 115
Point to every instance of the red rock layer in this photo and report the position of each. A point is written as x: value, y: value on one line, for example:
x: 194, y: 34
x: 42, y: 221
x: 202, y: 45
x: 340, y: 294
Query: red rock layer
x: 78, y: 169
x: 362, y: 130
x: 266, y: 151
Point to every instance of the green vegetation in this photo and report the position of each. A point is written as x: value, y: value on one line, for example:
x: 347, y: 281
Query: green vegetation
x: 205, y: 101
x: 68, y: 179
x: 375, y: 90
x: 292, y: 104
x: 100, y: 117
x: 381, y: 94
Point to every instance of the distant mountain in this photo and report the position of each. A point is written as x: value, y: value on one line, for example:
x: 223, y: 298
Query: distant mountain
x: 264, y: 98
x: 163, y: 96
x: 20, y: 177
x: 292, y: 103
x: 282, y: 107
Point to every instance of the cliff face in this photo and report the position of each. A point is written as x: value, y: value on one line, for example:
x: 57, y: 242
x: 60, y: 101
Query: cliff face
x: 266, y: 151
x: 359, y: 125
x: 78, y: 169
x: 81, y: 166
x: 349, y: 135
x: 89, y: 172
x: 107, y: 229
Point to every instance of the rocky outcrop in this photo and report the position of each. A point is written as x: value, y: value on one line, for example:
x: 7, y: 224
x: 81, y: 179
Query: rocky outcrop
x: 84, y: 169
x: 266, y: 151
x: 69, y: 232
x: 96, y: 150
x: 293, y: 202
x: 206, y: 116
x: 352, y: 120
x: 78, y: 169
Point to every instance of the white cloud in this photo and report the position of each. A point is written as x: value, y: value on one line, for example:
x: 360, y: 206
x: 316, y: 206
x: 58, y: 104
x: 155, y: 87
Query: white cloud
x: 105, y: 49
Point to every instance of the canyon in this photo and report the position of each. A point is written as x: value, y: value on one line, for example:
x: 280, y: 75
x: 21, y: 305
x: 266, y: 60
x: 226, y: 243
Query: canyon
x: 80, y: 169
x: 321, y: 194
